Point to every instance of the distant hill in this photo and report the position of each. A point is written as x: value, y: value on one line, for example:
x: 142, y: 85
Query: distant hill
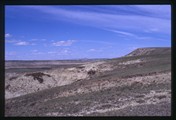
x: 150, y: 51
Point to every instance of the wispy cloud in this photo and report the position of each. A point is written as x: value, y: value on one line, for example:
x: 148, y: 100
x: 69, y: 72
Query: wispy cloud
x: 19, y: 42
x: 7, y: 35
x: 91, y: 50
x: 138, y: 37
x: 37, y: 52
x: 94, y: 50
x: 24, y: 43
x: 123, y: 33
x: 63, y: 43
x: 142, y: 18
x: 152, y: 30
x: 159, y: 11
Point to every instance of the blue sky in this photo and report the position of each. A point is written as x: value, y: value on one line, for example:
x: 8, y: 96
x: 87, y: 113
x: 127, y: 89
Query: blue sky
x: 84, y: 31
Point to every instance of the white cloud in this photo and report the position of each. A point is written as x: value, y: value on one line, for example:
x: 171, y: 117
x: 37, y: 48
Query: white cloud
x: 64, y: 43
x: 22, y: 43
x: 38, y: 53
x: 94, y: 50
x: 19, y: 42
x: 123, y: 33
x: 7, y: 35
x: 152, y: 30
x: 91, y: 50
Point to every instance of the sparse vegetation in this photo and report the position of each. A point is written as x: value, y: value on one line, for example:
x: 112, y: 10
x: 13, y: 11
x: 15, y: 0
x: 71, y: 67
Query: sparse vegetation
x: 140, y: 101
x: 7, y: 87
x: 81, y: 67
x: 161, y: 96
x: 91, y: 72
x: 12, y: 78
x: 101, y: 92
x: 38, y: 76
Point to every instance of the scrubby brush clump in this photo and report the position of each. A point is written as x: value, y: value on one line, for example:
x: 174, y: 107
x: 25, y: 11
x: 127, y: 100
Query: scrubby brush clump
x: 38, y: 76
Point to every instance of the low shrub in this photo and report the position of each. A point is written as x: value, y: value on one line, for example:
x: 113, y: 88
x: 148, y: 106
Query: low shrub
x: 91, y: 72
x: 38, y: 76
x: 12, y: 78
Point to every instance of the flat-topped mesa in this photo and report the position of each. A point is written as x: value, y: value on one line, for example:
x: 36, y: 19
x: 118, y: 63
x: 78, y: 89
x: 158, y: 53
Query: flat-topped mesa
x: 150, y: 51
